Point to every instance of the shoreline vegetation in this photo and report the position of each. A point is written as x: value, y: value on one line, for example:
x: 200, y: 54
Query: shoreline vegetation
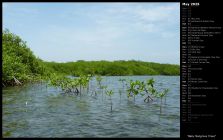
x: 20, y: 65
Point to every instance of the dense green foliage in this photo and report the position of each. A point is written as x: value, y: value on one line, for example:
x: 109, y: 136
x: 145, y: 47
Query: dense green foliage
x: 21, y: 65
x: 70, y: 85
x: 19, y: 61
x: 114, y: 68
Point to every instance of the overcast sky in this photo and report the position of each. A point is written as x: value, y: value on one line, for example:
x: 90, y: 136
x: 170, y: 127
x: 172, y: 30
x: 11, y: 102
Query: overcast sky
x: 97, y: 31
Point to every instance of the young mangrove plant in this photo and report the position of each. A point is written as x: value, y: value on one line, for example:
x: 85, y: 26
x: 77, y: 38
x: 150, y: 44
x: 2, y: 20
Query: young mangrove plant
x: 163, y: 94
x: 88, y: 79
x: 104, y: 88
x: 134, y: 89
x: 149, y: 89
x: 130, y: 89
x: 83, y: 82
x: 110, y: 93
x: 74, y: 83
x: 80, y: 83
x: 99, y: 79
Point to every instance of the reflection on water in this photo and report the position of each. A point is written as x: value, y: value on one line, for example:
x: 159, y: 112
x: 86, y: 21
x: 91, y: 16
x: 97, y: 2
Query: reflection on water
x: 36, y: 111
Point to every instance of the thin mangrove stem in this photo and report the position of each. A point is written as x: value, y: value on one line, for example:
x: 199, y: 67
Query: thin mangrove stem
x: 17, y: 81
x: 111, y: 102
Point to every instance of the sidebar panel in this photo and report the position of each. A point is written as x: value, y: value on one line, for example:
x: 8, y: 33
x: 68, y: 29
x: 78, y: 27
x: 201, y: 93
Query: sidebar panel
x: 201, y: 69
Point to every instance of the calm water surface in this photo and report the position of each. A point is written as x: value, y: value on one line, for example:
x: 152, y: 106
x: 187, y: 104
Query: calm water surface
x: 36, y: 111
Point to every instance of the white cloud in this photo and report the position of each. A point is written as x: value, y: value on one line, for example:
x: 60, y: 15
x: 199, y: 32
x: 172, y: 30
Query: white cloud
x: 155, y: 14
x: 151, y: 19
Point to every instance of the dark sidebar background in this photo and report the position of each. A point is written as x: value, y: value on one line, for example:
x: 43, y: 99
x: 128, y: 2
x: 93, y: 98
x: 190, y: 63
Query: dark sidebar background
x: 201, y: 69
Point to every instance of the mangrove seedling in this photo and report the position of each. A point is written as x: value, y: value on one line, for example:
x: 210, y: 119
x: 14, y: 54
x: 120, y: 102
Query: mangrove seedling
x: 88, y: 79
x: 149, y: 89
x: 99, y: 79
x: 130, y: 89
x: 135, y: 88
x: 162, y: 94
x: 82, y: 82
x: 150, y: 82
x: 110, y: 93
x: 103, y: 89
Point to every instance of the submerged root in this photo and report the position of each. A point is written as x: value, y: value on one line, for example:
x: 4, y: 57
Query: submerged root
x: 70, y: 91
x: 148, y: 98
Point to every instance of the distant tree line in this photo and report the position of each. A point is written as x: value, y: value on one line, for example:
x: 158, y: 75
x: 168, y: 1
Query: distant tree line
x: 20, y: 65
x: 115, y: 68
